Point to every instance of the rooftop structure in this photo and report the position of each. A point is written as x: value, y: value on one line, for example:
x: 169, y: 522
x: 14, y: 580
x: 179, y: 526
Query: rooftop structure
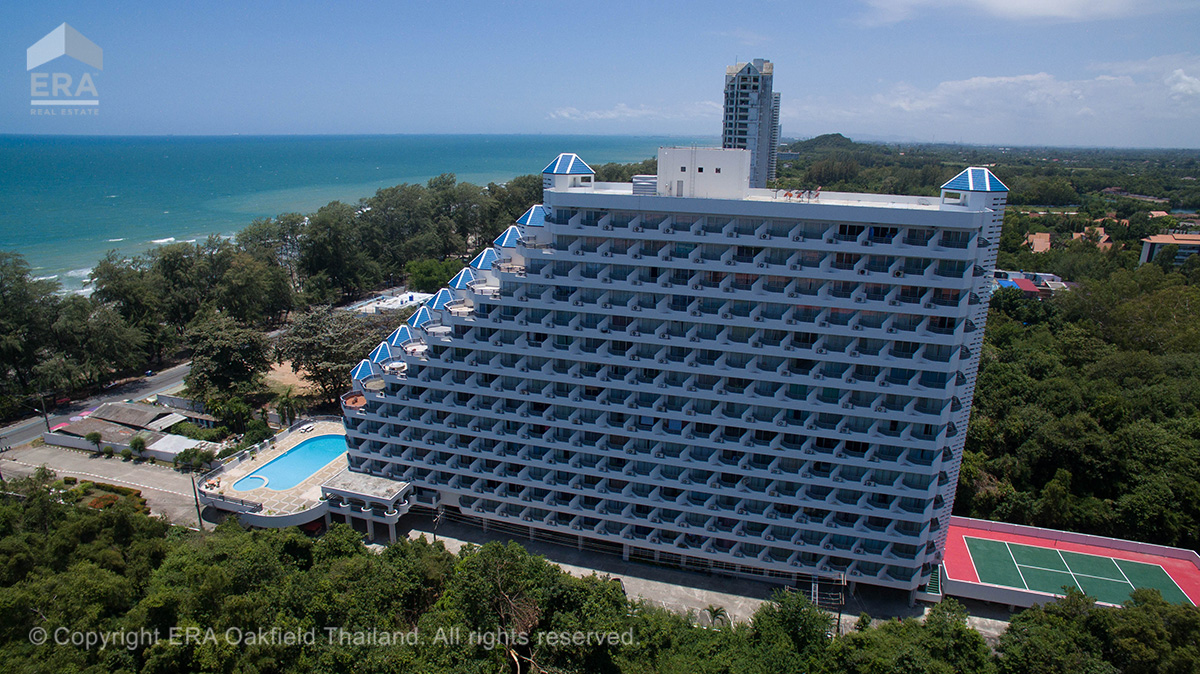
x: 696, y: 372
x: 1189, y: 244
x: 752, y: 117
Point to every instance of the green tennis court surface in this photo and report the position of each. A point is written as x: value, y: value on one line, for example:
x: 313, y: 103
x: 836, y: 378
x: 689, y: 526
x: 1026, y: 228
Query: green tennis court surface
x: 1048, y: 569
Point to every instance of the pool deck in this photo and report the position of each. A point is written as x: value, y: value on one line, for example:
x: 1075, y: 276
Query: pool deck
x: 303, y: 496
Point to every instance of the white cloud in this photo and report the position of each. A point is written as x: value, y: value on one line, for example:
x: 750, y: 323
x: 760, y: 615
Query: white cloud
x: 892, y: 11
x: 1182, y: 85
x: 1130, y: 104
x: 621, y: 112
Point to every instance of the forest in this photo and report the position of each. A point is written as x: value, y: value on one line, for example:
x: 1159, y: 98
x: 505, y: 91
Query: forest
x: 171, y: 600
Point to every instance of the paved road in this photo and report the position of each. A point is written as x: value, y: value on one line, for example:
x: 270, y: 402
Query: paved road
x: 24, y: 431
x: 166, y: 491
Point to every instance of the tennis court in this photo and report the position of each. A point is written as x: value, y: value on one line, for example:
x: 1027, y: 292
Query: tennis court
x: 1048, y: 570
x: 1022, y: 565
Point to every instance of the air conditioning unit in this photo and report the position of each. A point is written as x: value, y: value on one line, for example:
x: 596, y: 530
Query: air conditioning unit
x: 797, y: 238
x: 726, y: 316
x: 862, y: 272
x: 898, y: 274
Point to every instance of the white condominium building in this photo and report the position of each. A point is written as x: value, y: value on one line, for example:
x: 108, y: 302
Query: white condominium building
x: 688, y: 370
x: 751, y: 119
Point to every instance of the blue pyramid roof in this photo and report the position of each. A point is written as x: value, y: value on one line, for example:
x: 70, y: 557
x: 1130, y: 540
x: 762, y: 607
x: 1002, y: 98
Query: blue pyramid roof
x: 485, y: 259
x: 510, y: 238
x: 568, y: 163
x: 402, y: 335
x: 975, y: 179
x: 441, y: 299
x: 534, y: 217
x: 462, y: 279
x: 381, y: 353
x: 362, y: 370
x: 420, y: 318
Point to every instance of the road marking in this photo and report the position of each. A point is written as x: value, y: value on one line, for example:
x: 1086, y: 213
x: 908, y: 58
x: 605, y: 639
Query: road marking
x: 1014, y: 561
x: 103, y: 477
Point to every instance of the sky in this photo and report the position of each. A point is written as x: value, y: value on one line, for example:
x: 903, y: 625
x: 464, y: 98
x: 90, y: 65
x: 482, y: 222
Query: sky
x: 1110, y: 73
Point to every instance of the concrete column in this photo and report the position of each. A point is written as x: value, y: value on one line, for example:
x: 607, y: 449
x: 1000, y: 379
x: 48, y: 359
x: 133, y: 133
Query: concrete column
x: 370, y: 527
x: 391, y: 532
x: 625, y: 552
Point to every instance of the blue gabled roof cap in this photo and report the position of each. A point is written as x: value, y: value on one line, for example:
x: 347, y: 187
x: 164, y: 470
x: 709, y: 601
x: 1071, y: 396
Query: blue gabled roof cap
x: 420, y: 318
x: 485, y: 259
x: 381, y: 353
x: 400, y: 336
x: 362, y: 370
x: 510, y: 238
x: 975, y: 179
x: 462, y: 279
x: 441, y: 299
x: 534, y: 217
x: 568, y: 163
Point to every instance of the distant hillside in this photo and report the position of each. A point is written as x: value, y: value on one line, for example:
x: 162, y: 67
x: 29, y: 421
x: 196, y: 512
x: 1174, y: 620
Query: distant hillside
x: 828, y: 141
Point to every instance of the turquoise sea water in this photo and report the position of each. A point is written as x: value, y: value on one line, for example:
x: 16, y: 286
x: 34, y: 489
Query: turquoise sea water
x: 295, y: 465
x: 66, y: 200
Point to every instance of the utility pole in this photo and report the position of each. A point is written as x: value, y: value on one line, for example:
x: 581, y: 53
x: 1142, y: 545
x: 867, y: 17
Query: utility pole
x: 196, y: 495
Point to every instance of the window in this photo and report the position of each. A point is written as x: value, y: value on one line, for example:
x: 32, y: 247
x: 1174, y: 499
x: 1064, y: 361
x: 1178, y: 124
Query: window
x: 718, y: 170
x: 700, y: 170
x: 683, y: 169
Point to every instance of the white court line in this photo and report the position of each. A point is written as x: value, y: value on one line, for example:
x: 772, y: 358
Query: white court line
x: 1085, y: 575
x: 1014, y: 561
x: 105, y: 478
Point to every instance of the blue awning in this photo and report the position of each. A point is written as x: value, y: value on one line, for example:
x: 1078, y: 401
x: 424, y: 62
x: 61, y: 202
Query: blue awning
x: 400, y: 336
x: 362, y: 370
x: 381, y: 353
x: 510, y: 238
x: 568, y: 163
x: 534, y: 217
x: 975, y: 179
x: 441, y: 299
x: 485, y: 259
x: 462, y: 279
x: 420, y: 318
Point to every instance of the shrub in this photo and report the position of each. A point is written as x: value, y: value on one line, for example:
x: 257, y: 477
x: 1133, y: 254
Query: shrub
x: 103, y: 501
x: 108, y: 452
x: 70, y: 480
x: 127, y: 454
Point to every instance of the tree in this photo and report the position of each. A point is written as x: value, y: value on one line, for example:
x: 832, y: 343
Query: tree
x: 428, y: 275
x: 325, y: 344
x: 137, y: 444
x: 27, y: 308
x: 715, y: 614
x: 288, y: 406
x: 334, y: 247
x: 95, y: 438
x: 227, y: 359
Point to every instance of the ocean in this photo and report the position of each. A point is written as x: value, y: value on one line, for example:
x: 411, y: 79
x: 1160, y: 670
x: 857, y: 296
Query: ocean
x: 67, y: 200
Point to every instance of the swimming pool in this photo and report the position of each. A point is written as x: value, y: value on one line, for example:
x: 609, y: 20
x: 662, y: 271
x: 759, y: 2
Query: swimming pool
x: 295, y: 465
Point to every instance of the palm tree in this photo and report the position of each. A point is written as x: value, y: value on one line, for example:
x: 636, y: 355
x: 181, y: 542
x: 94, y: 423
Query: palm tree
x: 289, y: 407
x: 716, y: 613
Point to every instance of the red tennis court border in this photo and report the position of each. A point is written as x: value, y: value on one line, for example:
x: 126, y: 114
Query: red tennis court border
x: 1182, y: 565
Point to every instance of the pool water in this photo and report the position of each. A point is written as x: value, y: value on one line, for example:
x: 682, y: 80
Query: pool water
x: 295, y: 465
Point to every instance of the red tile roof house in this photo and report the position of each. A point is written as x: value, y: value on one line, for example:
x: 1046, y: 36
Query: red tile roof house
x: 1039, y: 242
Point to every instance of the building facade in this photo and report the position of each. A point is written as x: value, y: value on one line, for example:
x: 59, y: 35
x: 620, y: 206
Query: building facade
x: 700, y: 373
x: 752, y: 117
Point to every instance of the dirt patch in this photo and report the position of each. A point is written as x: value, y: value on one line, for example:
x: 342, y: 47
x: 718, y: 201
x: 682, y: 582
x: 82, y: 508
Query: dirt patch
x: 281, y: 376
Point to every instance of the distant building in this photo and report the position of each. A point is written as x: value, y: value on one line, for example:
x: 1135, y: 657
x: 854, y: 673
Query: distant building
x: 1189, y: 244
x: 1039, y: 242
x: 752, y: 117
x: 1101, y: 237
